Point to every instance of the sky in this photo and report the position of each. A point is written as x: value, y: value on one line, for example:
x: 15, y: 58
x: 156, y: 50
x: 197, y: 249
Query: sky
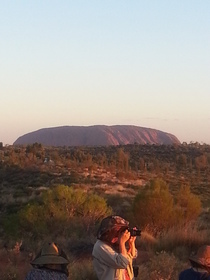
x: 108, y: 62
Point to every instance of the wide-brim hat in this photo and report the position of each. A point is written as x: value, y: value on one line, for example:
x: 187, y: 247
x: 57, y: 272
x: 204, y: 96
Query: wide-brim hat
x: 50, y: 254
x: 111, y: 222
x: 202, y: 256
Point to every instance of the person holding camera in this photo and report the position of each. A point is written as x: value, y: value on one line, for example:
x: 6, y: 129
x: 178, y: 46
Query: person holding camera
x: 112, y: 260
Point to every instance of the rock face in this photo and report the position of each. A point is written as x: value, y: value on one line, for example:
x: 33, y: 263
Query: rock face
x: 96, y: 135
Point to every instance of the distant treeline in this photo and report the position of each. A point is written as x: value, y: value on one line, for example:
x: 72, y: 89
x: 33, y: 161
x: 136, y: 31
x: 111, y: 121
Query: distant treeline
x: 39, y: 166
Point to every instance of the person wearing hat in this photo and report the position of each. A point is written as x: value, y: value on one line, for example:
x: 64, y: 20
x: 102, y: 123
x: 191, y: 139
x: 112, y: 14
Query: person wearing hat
x: 200, y: 263
x: 50, y: 263
x: 111, y: 259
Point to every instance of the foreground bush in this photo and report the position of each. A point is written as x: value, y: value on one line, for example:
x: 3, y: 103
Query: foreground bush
x: 156, y: 210
x: 153, y: 207
x: 61, y: 211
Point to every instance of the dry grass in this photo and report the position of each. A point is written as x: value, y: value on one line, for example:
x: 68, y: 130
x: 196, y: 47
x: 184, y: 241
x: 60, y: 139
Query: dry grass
x: 82, y: 269
x: 189, y: 237
x: 161, y: 266
x: 160, y: 258
x: 14, y: 264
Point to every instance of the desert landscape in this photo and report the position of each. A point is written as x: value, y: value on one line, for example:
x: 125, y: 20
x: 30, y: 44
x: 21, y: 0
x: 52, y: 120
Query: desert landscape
x: 104, y: 111
x: 92, y: 182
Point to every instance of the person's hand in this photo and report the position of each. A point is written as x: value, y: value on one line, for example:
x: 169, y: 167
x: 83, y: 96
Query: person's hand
x: 131, y: 244
x: 124, y: 236
x: 132, y: 240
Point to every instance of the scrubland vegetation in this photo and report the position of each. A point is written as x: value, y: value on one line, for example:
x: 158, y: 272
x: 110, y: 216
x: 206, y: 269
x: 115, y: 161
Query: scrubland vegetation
x: 61, y: 194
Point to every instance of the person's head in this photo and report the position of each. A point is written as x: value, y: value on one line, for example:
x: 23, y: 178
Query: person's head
x: 52, y: 257
x: 202, y: 258
x: 110, y: 228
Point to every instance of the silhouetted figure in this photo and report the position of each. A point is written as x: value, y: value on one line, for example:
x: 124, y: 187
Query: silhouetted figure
x: 200, y: 263
x: 50, y: 264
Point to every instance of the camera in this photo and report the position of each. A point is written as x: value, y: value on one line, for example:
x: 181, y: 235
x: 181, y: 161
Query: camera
x: 134, y: 231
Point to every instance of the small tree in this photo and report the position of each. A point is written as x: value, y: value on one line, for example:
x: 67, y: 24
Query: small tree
x: 155, y: 209
x: 153, y: 206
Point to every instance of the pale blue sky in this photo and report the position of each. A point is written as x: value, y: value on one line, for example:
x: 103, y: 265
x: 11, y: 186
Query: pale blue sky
x: 144, y: 63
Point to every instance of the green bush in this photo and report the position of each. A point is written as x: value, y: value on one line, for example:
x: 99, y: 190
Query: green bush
x: 153, y: 206
x: 155, y: 209
x: 10, y: 224
x: 63, y: 211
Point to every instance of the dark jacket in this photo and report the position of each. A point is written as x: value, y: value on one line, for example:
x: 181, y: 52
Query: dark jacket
x: 41, y: 274
x: 191, y: 274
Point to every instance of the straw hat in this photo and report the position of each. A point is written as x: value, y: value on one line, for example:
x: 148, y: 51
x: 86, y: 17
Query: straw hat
x: 202, y: 257
x: 50, y: 254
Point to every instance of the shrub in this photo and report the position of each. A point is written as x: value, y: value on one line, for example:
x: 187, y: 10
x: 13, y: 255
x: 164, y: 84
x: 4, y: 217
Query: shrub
x: 155, y: 209
x: 153, y: 206
x: 10, y: 224
x: 63, y: 211
x: 163, y: 266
